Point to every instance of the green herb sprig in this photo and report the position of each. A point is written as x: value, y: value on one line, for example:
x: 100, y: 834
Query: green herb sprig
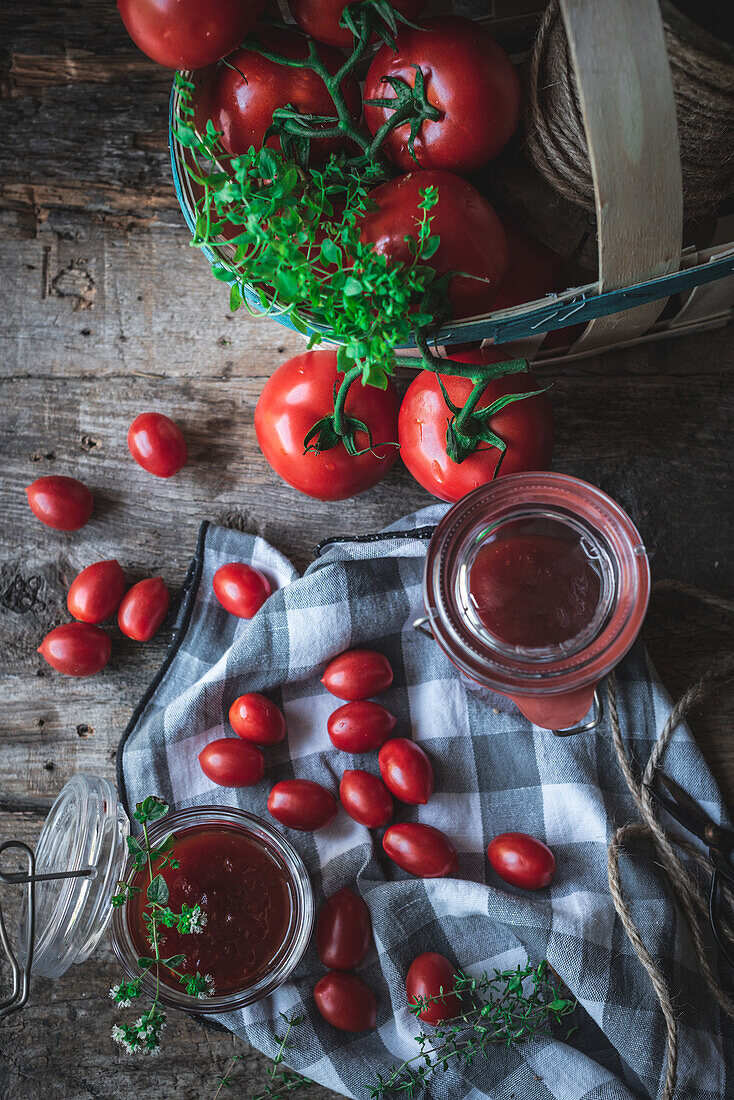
x: 503, y: 1007
x: 281, y: 1081
x: 144, y: 1035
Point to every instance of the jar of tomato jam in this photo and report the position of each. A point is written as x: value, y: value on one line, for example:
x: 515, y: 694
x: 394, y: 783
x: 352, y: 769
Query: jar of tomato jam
x: 536, y: 585
x: 250, y: 884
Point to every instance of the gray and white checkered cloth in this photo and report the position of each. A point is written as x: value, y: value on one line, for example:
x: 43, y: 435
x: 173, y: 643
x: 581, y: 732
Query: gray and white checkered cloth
x: 494, y: 772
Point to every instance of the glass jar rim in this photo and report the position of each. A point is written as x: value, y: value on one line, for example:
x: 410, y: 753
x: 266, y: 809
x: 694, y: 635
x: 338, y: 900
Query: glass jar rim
x: 299, y: 931
x: 556, y: 494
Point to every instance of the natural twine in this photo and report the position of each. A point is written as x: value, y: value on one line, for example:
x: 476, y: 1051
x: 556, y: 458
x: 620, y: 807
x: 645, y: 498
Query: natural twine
x: 686, y: 890
x: 555, y: 138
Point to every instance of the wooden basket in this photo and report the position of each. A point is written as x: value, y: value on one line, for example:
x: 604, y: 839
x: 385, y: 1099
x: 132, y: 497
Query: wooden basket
x: 626, y: 96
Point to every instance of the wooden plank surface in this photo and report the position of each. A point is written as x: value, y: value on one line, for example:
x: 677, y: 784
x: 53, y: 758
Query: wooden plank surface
x: 106, y: 311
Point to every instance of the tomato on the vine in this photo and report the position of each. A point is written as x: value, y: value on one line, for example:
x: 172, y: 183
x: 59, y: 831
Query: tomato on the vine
x: 241, y: 95
x: 95, y: 593
x: 157, y: 444
x: 471, y: 89
x: 299, y: 394
x: 432, y: 976
x: 343, y: 930
x: 187, y: 34
x: 230, y: 762
x: 241, y: 589
x: 522, y: 860
x: 320, y: 18
x: 471, y: 236
x: 143, y: 609
x: 357, y: 674
x: 76, y: 649
x: 345, y: 1001
x: 63, y: 503
x: 525, y: 426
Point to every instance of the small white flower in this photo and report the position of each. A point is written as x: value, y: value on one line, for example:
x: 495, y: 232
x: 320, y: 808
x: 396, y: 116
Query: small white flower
x: 209, y: 991
x: 114, y: 991
x: 118, y: 1034
x: 139, y: 1023
x: 197, y: 919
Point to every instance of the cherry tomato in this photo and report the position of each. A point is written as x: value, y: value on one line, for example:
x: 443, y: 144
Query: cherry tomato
x: 143, y: 609
x: 534, y: 270
x: 185, y: 34
x: 525, y: 426
x: 297, y: 395
x: 472, y: 239
x: 301, y: 804
x: 360, y: 726
x: 406, y: 771
x: 467, y: 77
x: 343, y: 930
x: 357, y: 674
x: 76, y: 649
x: 255, y: 718
x: 431, y: 974
x: 230, y: 762
x: 62, y: 502
x: 241, y: 95
x: 366, y: 798
x: 157, y: 444
x: 421, y: 850
x: 240, y: 589
x: 345, y: 1001
x: 522, y: 860
x: 95, y: 593
x: 320, y: 18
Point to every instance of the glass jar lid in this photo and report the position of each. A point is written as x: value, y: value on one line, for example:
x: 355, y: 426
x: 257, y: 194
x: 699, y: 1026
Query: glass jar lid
x: 85, y: 831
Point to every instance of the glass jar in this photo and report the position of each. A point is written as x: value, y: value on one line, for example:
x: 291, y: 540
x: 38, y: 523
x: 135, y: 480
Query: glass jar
x: 80, y: 857
x: 536, y: 585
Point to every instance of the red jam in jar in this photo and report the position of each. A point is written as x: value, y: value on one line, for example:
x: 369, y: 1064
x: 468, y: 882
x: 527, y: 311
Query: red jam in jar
x: 244, y: 894
x: 535, y: 584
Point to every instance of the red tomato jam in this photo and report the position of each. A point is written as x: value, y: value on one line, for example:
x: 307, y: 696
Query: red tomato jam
x: 245, y: 895
x: 533, y: 584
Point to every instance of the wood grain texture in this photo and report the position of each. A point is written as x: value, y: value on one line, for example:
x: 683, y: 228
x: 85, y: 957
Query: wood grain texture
x: 106, y: 311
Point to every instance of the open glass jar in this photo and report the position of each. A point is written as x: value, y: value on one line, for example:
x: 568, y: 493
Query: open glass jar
x: 536, y: 585
x: 232, y: 863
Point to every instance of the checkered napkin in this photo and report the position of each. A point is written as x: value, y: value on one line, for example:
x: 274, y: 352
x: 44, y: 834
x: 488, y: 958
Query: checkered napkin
x: 494, y: 772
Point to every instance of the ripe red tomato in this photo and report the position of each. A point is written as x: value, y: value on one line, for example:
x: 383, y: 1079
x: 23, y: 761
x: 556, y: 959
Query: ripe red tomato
x: 143, y: 609
x: 522, y: 860
x: 431, y: 974
x: 241, y: 95
x: 62, y: 502
x: 295, y: 397
x: 357, y: 674
x: 343, y: 930
x: 157, y: 444
x: 240, y: 589
x: 76, y: 649
x: 255, y: 718
x: 186, y: 34
x: 230, y: 762
x: 467, y: 76
x: 472, y: 238
x: 345, y: 1001
x: 95, y: 593
x: 302, y: 804
x: 526, y: 427
x: 320, y: 18
x: 360, y: 726
x: 421, y: 850
x: 406, y: 771
x: 366, y: 798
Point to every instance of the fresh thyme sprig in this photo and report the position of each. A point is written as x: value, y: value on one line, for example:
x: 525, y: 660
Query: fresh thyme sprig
x: 281, y: 1081
x: 499, y: 1008
x: 143, y: 1036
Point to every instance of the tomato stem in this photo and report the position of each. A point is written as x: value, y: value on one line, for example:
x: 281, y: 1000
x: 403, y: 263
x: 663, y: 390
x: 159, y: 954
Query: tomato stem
x: 340, y: 426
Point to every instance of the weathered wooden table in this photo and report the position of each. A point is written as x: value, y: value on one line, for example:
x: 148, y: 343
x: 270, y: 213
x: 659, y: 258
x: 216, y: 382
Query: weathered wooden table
x: 106, y: 311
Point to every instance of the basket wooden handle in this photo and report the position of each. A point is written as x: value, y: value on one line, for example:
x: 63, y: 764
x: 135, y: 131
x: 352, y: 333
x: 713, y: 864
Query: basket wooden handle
x: 626, y: 95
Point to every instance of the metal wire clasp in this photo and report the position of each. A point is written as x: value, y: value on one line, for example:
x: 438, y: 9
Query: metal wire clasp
x: 22, y: 974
